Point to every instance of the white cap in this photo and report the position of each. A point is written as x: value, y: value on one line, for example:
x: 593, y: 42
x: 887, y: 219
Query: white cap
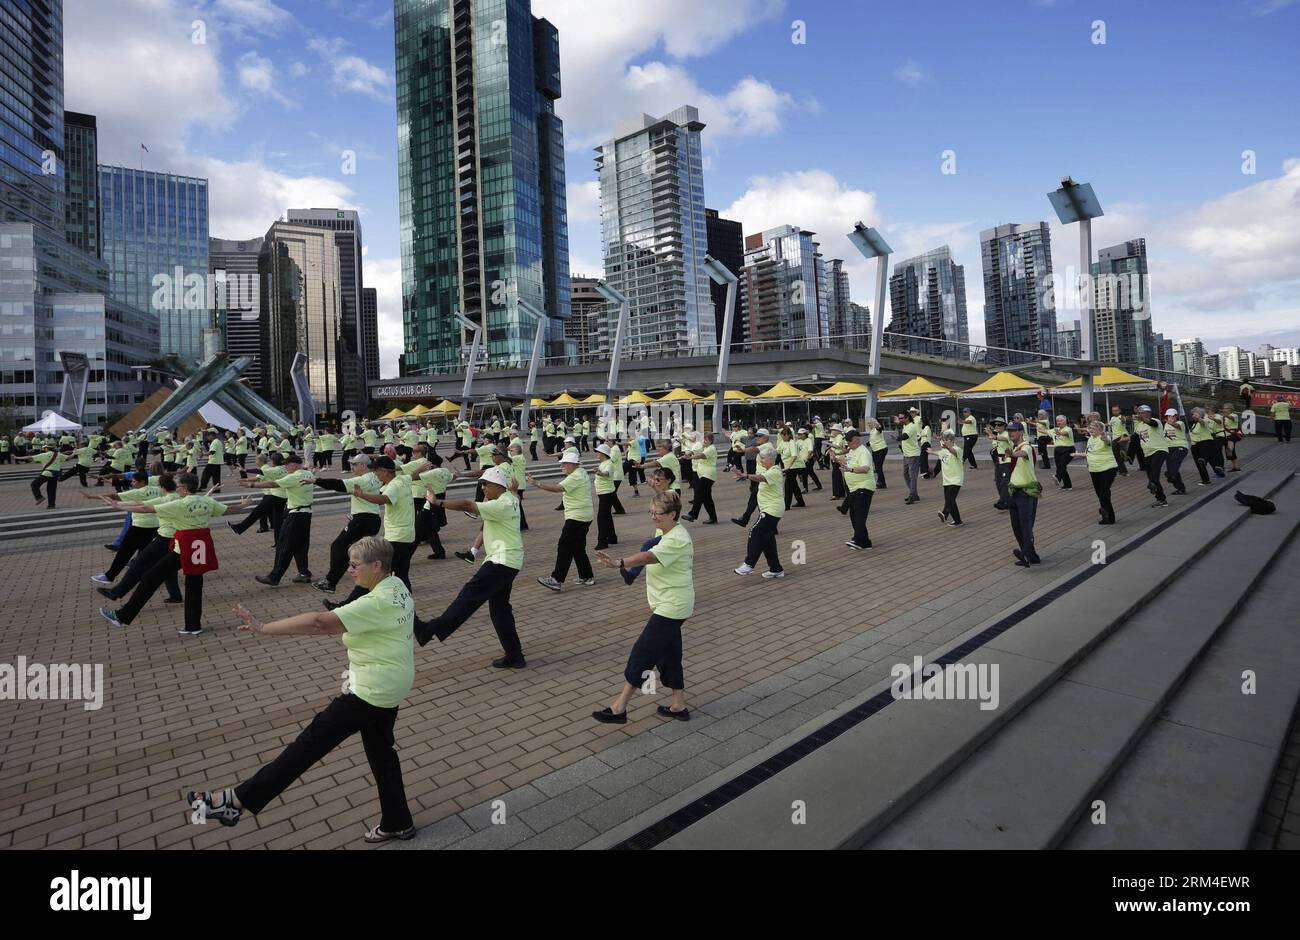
x: 570, y: 440
x: 602, y: 449
x: 803, y: 430
x: 1170, y: 411
x: 570, y: 456
x: 762, y: 432
x: 496, y: 475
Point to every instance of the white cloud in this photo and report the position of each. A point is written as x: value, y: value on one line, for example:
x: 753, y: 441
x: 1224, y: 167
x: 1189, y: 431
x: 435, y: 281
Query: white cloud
x: 299, y: 69
x: 257, y: 74
x: 262, y: 16
x: 583, y: 202
x: 352, y: 72
x: 909, y: 73
x: 605, y: 83
x: 385, y: 276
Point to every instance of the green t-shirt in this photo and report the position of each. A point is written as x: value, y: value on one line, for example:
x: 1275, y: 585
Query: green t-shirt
x: 410, y: 438
x: 707, y: 466
x: 577, y: 496
x: 670, y: 461
x: 969, y: 426
x: 616, y: 458
x: 503, y: 543
x: 798, y: 454
x: 1063, y: 437
x: 146, y: 494
x: 273, y: 473
x: 1023, y: 473
x: 327, y: 441
x: 912, y: 446
x: 771, y: 491
x: 860, y: 457
x: 1117, y: 428
x: 1100, y: 455
x: 1152, y: 435
x: 954, y: 470
x: 484, y: 453
x: 670, y: 585
x: 878, y: 441
x: 369, y: 483
x: 520, y: 464
x: 436, y: 480
x: 217, y: 452
x: 369, y: 438
x: 165, y: 529
x: 190, y: 512
x: 300, y: 489
x: 85, y: 456
x: 605, y: 478
x: 1201, y: 431
x: 399, y: 514
x: 51, y: 462
x: 1281, y: 410
x: 377, y: 634
x: 1176, y: 434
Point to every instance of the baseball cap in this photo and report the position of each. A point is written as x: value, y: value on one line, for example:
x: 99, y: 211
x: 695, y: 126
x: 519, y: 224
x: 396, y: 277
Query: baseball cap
x: 496, y: 475
x: 803, y: 430
x: 851, y: 432
x: 383, y: 463
x: 965, y: 411
x: 1170, y: 411
x: 1146, y: 408
x: 1014, y: 426
x: 914, y: 410
x: 762, y: 432
x: 570, y: 456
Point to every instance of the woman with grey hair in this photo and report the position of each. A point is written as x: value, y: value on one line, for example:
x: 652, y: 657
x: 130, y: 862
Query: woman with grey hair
x: 771, y: 504
x: 879, y: 448
x: 1102, y: 467
x: 1203, y: 445
x: 953, y: 469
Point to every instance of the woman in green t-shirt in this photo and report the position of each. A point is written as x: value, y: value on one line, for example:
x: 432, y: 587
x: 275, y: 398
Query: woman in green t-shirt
x: 376, y: 629
x: 670, y: 590
x: 771, y: 506
x: 953, y: 470
x: 1102, y: 467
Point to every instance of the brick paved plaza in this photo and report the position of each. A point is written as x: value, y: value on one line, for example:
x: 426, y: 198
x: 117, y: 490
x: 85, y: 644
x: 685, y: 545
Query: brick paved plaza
x: 206, y: 712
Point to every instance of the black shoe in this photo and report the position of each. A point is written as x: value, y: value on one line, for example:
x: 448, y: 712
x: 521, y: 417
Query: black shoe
x: 506, y: 662
x: 688, y: 518
x: 111, y: 547
x: 467, y: 557
x: 106, y: 592
x: 709, y: 522
x: 303, y: 578
x: 236, y: 529
x: 330, y: 605
x: 1020, y: 556
x: 842, y: 510
x: 436, y: 556
x: 608, y: 717
x: 173, y: 600
x: 267, y: 580
x: 627, y: 575
x: 743, y: 523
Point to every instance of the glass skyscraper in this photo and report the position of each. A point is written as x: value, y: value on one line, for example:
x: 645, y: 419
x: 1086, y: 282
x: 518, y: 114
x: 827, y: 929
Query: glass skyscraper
x: 81, y: 155
x: 927, y: 298
x: 481, y: 179
x: 1019, y: 305
x: 52, y: 293
x: 655, y: 235
x: 787, y: 295
x: 1121, y: 298
x: 155, y: 241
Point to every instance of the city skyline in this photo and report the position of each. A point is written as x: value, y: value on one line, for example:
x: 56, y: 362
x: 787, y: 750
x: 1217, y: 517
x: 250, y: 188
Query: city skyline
x: 780, y: 140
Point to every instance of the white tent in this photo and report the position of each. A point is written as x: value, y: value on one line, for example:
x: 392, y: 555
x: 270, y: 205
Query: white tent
x: 215, y: 415
x: 52, y: 424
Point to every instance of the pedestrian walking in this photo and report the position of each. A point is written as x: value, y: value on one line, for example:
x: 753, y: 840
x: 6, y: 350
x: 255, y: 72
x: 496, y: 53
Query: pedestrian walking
x: 1024, y: 491
x: 771, y: 502
x: 572, y: 547
x: 860, y: 478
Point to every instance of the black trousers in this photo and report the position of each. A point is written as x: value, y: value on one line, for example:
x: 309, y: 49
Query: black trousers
x: 269, y: 511
x: 1282, y: 429
x: 211, y: 475
x: 968, y: 449
x: 1173, y: 469
x: 572, y: 550
x: 402, y: 552
x: 704, y: 499
x: 658, y: 647
x: 1203, y: 454
x: 792, y: 492
x: 617, y: 503
x: 1155, y: 463
x: 605, y: 534
x: 491, y: 584
x: 428, y: 523
x: 51, y: 485
x: 1135, y: 453
x: 77, y: 470
x: 293, y: 543
x: 147, y: 557
x: 752, y: 506
x: 1043, y: 444
x: 762, y: 541
x: 878, y: 461
x: 950, y: 510
x: 132, y: 543
x: 859, y: 507
x: 358, y: 527
x: 1063, y: 456
x: 1101, y: 482
x: 809, y: 470
x: 1024, y: 511
x: 166, y: 567
x: 1117, y: 449
x: 532, y: 449
x: 342, y: 718
x: 838, y: 490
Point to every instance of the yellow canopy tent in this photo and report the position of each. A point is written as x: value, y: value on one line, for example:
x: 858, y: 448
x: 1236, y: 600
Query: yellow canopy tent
x: 735, y: 395
x: 680, y: 394
x: 841, y: 390
x: 593, y: 400
x: 919, y: 389
x: 446, y: 407
x: 1110, y: 380
x: 538, y: 403
x: 417, y: 412
x: 782, y: 390
x: 395, y: 413
x: 636, y: 398
x: 1002, y: 385
x: 563, y: 400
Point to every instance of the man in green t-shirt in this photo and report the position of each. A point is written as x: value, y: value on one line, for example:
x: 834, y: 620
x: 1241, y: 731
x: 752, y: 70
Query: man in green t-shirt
x: 953, y: 476
x: 704, y: 459
x: 294, y: 538
x: 859, y: 471
x: 909, y: 438
x: 503, y: 547
x: 1025, y: 491
x: 1281, y: 412
x: 49, y: 462
x: 578, y: 515
x: 364, y: 519
x: 398, y: 501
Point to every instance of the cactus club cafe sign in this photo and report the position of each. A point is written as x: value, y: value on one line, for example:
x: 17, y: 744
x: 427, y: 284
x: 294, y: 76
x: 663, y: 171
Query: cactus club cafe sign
x: 1262, y: 401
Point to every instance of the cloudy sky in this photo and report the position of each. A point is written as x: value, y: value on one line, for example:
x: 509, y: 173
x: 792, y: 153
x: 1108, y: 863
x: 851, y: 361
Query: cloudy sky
x: 819, y: 113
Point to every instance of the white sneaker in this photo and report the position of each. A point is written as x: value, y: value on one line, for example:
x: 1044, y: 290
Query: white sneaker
x: 186, y: 632
x: 744, y: 569
x: 550, y: 583
x: 774, y: 574
x: 100, y: 579
x: 587, y: 582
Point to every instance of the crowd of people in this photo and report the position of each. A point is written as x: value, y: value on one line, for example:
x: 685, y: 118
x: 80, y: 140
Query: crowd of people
x: 396, y: 484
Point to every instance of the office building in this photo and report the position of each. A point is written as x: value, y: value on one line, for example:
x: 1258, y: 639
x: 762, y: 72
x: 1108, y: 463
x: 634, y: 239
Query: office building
x: 784, y: 283
x: 302, y: 304
x: 1019, y: 308
x: 1122, y: 305
x: 237, y: 298
x: 481, y: 179
x: 726, y: 244
x: 154, y: 228
x: 927, y: 299
x: 53, y: 296
x: 346, y: 226
x: 654, y: 233
x: 81, y: 165
x: 1068, y: 339
x: 586, y: 318
x: 1189, y: 356
x: 1162, y: 352
x: 842, y: 325
x: 370, y: 333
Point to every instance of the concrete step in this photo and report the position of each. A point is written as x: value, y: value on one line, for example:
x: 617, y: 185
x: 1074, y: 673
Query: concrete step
x: 1201, y: 774
x: 878, y: 755
x: 1029, y: 785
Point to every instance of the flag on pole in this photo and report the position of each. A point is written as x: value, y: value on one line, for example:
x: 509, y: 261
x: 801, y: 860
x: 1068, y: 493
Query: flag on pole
x: 144, y: 148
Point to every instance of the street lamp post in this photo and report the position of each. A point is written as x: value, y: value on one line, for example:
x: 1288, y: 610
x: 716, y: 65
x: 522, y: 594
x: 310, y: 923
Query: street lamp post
x: 620, y: 331
x: 720, y: 274
x: 1076, y: 202
x: 872, y: 244
x: 538, y: 337
x: 473, y: 361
